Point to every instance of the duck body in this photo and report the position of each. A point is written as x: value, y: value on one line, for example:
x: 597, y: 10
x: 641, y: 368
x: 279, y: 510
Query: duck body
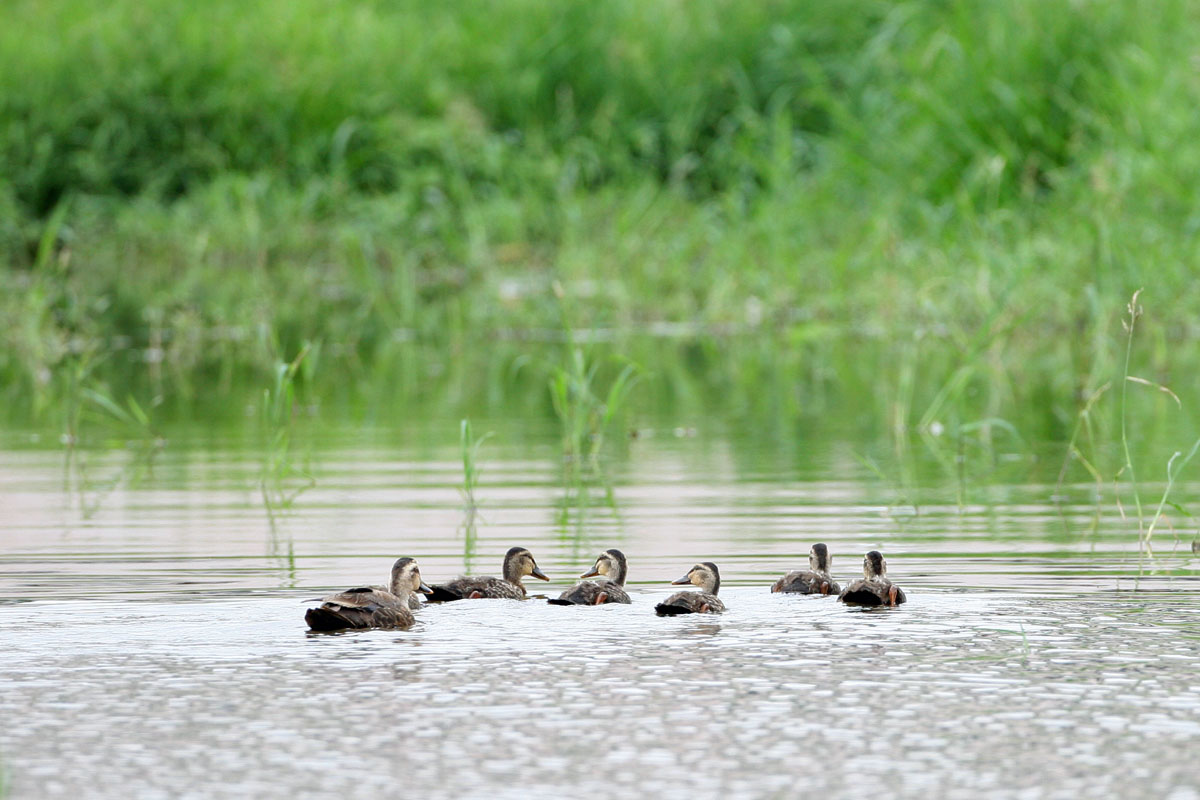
x: 814, y: 580
x: 707, y: 577
x: 592, y: 593
x: 518, y: 562
x: 874, y: 589
x: 806, y: 582
x: 372, y: 606
x: 690, y: 603
x: 878, y: 592
x: 365, y: 607
x: 472, y: 588
x: 612, y: 567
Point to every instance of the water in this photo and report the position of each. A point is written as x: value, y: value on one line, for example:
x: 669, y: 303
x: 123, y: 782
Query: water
x: 154, y: 645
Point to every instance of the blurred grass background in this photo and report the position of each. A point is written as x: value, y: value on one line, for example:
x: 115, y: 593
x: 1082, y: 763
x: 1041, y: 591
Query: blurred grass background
x: 938, y: 209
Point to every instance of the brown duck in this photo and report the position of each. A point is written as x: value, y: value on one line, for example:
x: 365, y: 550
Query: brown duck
x: 873, y: 589
x: 371, y: 606
x: 704, y: 575
x: 518, y: 562
x: 611, y: 567
x: 814, y: 580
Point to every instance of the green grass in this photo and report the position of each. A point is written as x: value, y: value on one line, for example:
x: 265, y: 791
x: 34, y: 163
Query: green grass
x: 469, y: 445
x: 283, y: 479
x: 891, y: 214
x: 585, y: 411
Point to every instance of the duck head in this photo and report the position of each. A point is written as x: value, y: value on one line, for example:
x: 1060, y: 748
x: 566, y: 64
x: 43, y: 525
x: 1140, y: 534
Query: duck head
x: 406, y: 578
x: 819, y: 559
x: 612, y: 565
x: 518, y: 562
x: 874, y: 567
x: 705, y: 575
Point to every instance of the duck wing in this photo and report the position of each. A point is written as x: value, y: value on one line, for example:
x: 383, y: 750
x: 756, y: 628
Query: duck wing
x: 362, y: 597
x: 470, y: 588
x: 805, y: 582
x: 591, y: 593
x: 689, y: 603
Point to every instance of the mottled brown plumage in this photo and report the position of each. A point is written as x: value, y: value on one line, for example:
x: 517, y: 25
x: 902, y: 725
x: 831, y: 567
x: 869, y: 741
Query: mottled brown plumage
x: 371, y: 606
x: 612, y: 568
x: 704, y: 575
x: 518, y: 562
x: 814, y: 580
x: 873, y: 589
x: 414, y: 600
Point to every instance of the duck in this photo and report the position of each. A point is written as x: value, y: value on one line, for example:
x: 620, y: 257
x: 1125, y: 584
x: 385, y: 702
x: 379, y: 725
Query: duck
x: 372, y: 606
x: 814, y: 580
x: 518, y: 562
x: 611, y: 567
x: 704, y: 575
x: 874, y: 588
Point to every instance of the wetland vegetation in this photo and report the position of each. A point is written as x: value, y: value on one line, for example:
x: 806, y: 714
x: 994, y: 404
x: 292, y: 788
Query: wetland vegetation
x: 915, y: 222
x: 943, y: 206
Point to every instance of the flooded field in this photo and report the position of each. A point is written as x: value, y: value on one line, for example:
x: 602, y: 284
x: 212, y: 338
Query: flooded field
x: 151, y: 619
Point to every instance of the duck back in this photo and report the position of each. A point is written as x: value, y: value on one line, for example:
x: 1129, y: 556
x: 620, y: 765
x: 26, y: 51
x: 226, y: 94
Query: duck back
x: 414, y: 602
x: 806, y: 582
x: 470, y: 588
x: 873, y: 593
x: 689, y: 603
x: 591, y: 593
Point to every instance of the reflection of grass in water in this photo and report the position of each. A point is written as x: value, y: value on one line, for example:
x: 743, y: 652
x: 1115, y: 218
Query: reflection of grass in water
x: 128, y: 425
x: 1084, y: 426
x: 287, y: 562
x: 469, y: 447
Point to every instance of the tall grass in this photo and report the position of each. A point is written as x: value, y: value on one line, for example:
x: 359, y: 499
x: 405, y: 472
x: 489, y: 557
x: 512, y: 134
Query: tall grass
x: 1125, y: 473
x: 785, y: 195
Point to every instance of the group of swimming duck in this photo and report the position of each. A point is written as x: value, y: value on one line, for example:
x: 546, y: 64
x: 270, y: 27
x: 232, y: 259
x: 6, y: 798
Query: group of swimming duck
x: 391, y: 606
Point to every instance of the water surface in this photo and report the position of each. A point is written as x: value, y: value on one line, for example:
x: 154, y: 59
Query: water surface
x: 154, y: 646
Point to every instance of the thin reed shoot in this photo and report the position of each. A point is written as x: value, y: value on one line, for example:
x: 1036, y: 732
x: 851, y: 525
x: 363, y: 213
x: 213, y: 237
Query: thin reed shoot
x: 282, y: 480
x: 469, y: 446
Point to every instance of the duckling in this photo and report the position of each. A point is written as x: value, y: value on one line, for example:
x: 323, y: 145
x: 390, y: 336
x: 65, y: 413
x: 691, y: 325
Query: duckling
x: 371, y: 606
x: 874, y: 589
x: 815, y: 580
x: 612, y: 568
x: 705, y: 601
x: 518, y: 562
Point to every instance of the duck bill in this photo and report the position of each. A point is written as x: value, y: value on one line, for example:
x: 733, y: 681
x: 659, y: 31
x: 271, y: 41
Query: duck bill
x: 424, y: 589
x: 681, y: 581
x: 591, y: 573
x: 537, y: 573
